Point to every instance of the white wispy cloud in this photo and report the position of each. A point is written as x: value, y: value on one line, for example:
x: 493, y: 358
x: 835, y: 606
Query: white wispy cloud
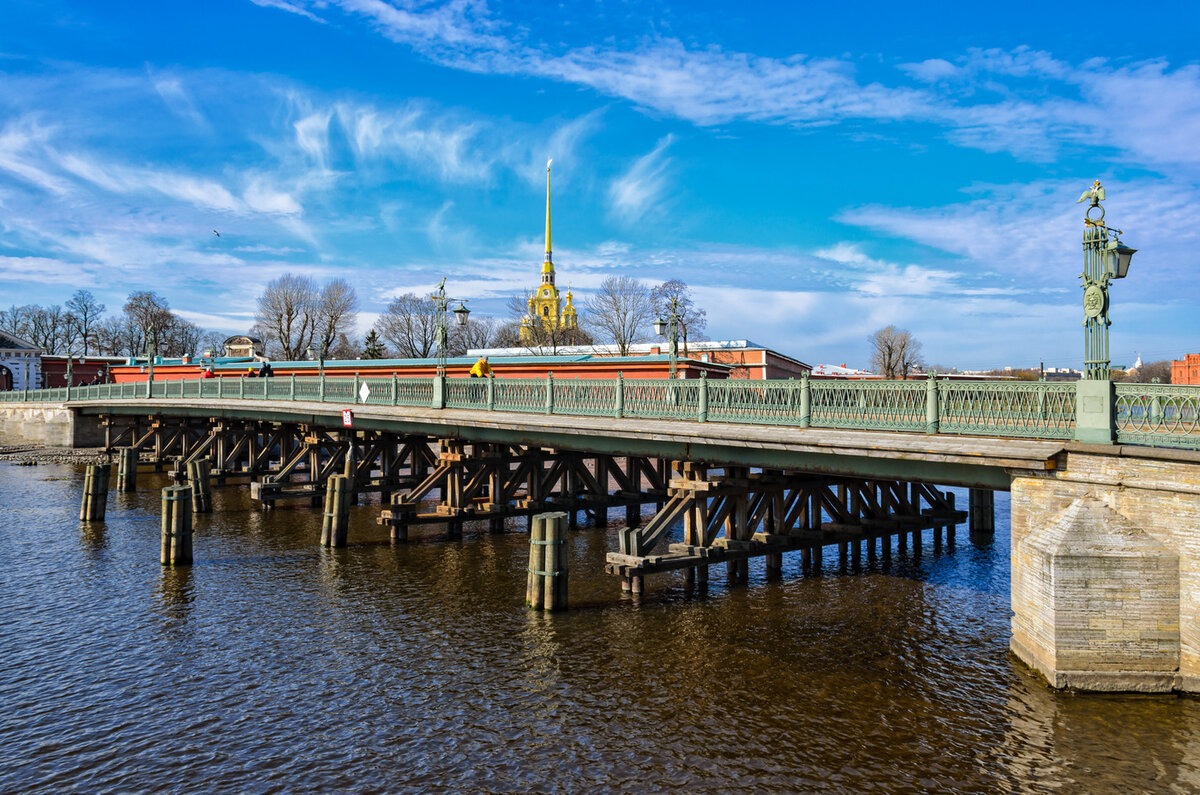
x: 641, y: 188
x: 1031, y: 233
x: 291, y: 8
x: 1147, y: 110
x: 171, y: 89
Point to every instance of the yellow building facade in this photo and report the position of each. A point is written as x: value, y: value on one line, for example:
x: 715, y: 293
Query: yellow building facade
x: 547, y: 314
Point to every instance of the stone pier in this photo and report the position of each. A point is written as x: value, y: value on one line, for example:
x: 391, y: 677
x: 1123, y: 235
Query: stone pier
x: 1106, y: 570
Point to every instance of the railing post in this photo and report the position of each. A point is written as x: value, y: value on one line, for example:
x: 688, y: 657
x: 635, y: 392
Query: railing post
x: 549, y: 393
x: 619, y: 411
x: 439, y: 392
x: 242, y: 388
x: 1095, y: 422
x: 491, y: 393
x: 395, y: 389
x: 805, y: 401
x: 703, y: 396
x: 354, y: 399
x: 321, y: 387
x: 292, y: 389
x: 931, y: 404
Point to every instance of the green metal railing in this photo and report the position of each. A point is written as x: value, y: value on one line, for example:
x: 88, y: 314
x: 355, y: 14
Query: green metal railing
x: 1149, y: 414
x: 1158, y: 414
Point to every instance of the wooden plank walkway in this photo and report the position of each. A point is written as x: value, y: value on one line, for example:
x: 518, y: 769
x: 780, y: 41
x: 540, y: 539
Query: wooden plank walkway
x: 943, y: 458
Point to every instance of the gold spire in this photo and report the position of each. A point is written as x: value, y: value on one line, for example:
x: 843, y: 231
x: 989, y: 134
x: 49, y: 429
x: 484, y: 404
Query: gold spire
x: 548, y: 162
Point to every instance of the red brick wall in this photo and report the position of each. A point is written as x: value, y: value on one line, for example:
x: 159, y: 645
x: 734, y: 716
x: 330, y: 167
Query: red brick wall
x: 1186, y: 371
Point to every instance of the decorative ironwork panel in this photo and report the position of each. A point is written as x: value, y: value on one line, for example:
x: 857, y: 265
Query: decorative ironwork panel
x: 520, y: 394
x: 466, y: 393
x: 868, y: 405
x: 1161, y: 415
x: 1027, y: 409
x: 662, y: 398
x: 757, y: 402
x: 340, y: 390
x: 585, y: 397
x: 414, y: 391
x: 308, y: 388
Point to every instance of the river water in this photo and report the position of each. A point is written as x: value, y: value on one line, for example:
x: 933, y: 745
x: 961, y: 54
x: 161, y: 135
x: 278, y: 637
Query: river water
x: 272, y: 665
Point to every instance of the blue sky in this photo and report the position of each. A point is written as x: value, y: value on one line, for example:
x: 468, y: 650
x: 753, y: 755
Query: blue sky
x: 814, y: 171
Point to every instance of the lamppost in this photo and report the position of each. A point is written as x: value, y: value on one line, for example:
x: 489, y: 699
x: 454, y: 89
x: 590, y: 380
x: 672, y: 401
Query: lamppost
x: 319, y: 356
x: 669, y: 328
x: 1105, y: 258
x: 70, y: 372
x: 442, y: 302
x: 151, y: 353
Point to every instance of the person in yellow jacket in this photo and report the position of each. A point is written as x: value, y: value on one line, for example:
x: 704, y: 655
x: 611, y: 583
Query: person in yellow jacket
x: 481, y: 368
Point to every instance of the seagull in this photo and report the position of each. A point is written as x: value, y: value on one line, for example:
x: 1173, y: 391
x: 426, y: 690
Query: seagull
x: 215, y: 232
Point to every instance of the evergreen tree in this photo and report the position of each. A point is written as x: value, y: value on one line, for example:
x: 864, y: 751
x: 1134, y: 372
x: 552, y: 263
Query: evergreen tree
x: 373, y: 347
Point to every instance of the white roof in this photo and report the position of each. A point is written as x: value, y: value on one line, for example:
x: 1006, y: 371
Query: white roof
x: 840, y: 369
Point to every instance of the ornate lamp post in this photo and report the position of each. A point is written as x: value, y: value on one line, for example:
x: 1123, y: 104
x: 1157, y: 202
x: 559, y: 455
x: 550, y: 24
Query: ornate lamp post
x: 318, y: 355
x: 151, y: 353
x: 442, y: 302
x: 1105, y: 258
x: 669, y: 328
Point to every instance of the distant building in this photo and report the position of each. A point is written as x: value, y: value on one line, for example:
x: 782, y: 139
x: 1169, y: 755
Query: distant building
x: 842, y: 372
x: 243, y: 347
x: 84, y: 369
x: 743, y: 358
x: 1062, y: 374
x: 1186, y: 371
x: 547, y: 315
x: 20, y: 363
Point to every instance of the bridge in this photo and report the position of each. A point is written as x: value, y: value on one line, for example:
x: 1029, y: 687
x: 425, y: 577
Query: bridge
x: 1104, y: 478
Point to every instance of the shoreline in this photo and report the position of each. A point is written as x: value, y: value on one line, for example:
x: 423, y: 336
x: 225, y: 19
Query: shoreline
x: 32, y: 455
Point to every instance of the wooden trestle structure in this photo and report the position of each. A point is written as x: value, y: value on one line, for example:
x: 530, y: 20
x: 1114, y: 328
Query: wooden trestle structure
x: 729, y: 514
x: 733, y: 514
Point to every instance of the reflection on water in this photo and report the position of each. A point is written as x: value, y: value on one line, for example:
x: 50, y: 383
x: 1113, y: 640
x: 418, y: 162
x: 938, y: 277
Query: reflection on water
x: 275, y: 665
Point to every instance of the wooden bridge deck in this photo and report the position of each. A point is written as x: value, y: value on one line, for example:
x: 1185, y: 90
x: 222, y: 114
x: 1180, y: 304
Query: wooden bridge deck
x: 953, y: 460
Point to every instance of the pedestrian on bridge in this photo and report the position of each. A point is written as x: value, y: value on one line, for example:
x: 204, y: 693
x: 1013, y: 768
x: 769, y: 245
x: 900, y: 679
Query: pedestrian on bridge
x: 481, y: 368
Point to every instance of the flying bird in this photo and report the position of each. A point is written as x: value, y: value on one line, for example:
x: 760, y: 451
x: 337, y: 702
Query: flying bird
x: 215, y: 232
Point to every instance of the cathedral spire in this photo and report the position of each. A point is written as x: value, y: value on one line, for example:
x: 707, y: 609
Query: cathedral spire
x: 548, y: 162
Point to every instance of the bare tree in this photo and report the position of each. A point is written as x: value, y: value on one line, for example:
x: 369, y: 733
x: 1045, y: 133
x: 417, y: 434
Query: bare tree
x: 285, y: 316
x: 1151, y: 370
x: 692, y: 319
x: 148, y: 313
x: 180, y: 337
x: 409, y: 324
x: 119, y: 336
x: 47, y: 328
x: 894, y: 352
x: 345, y: 348
x: 475, y: 333
x: 508, y: 335
x: 86, y: 312
x: 620, y: 311
x: 14, y: 320
x: 335, y: 313
x: 212, y: 341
